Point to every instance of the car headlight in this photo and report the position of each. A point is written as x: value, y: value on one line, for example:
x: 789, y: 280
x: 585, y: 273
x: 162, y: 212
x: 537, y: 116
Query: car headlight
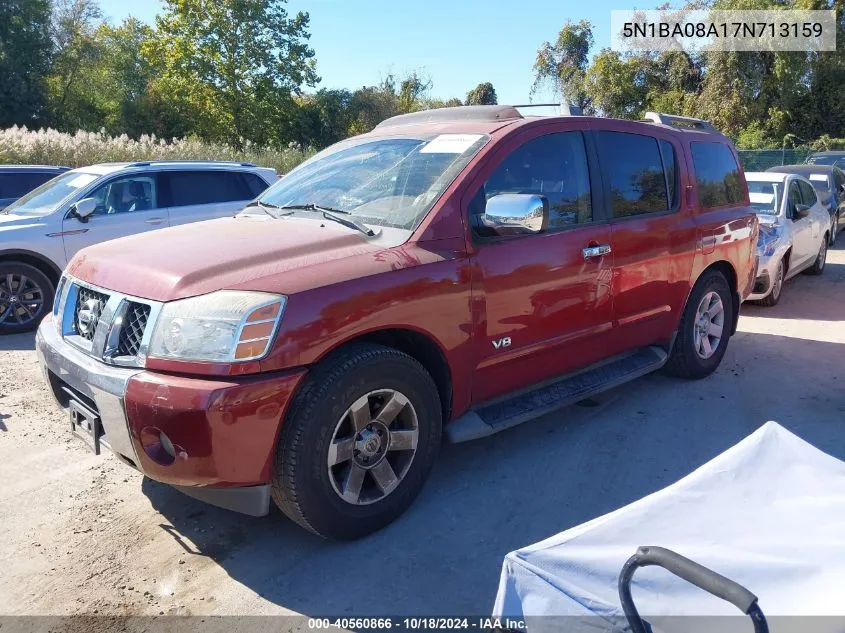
x: 224, y: 326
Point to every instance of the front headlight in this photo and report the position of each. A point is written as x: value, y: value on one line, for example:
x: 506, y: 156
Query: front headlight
x: 223, y: 326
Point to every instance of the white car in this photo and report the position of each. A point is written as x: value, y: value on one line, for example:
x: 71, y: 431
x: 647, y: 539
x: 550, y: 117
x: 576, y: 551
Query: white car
x: 41, y: 231
x: 794, y: 231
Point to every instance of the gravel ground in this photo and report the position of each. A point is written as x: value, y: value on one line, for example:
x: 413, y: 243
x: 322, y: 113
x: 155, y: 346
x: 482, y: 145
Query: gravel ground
x: 82, y: 534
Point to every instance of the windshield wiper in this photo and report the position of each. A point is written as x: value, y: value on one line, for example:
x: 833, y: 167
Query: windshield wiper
x: 266, y: 206
x: 330, y: 214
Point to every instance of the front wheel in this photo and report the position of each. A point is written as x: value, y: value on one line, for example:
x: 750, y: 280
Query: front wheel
x: 26, y: 295
x: 359, y: 442
x: 773, y: 297
x: 821, y: 259
x: 705, y: 327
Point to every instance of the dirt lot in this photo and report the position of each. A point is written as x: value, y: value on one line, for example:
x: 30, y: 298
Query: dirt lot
x: 85, y: 534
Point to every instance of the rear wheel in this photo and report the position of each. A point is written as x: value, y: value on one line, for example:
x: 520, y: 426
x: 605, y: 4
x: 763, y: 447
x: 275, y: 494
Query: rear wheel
x: 773, y: 297
x: 821, y: 259
x: 26, y: 295
x: 705, y: 327
x: 359, y: 443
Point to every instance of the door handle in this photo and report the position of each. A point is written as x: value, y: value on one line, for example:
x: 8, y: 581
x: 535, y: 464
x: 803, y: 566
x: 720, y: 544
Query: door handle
x: 596, y: 251
x: 154, y: 221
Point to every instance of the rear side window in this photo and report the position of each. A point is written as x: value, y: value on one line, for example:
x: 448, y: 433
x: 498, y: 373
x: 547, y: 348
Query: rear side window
x: 254, y: 184
x: 717, y: 173
x: 18, y: 184
x: 633, y: 167
x: 808, y: 195
x: 205, y: 187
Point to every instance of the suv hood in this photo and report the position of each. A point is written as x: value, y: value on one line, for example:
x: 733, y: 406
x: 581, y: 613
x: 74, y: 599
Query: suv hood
x: 9, y: 221
x: 229, y: 253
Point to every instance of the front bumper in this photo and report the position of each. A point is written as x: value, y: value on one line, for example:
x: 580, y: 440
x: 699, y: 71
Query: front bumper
x: 766, y: 270
x: 224, y: 431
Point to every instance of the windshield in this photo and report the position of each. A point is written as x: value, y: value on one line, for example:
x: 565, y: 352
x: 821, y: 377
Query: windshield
x: 764, y: 196
x: 820, y: 182
x: 46, y: 198
x: 386, y: 182
x: 825, y: 160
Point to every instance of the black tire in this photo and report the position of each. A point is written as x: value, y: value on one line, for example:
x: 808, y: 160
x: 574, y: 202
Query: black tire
x: 15, y: 320
x: 301, y: 485
x: 821, y: 259
x: 684, y: 360
x: 773, y: 297
x: 834, y: 229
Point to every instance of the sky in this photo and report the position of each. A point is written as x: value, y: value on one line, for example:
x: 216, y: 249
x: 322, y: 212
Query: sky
x: 456, y: 43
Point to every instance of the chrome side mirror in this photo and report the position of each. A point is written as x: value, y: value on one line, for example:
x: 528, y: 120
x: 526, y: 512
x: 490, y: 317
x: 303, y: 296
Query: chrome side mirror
x: 516, y: 214
x: 84, y: 208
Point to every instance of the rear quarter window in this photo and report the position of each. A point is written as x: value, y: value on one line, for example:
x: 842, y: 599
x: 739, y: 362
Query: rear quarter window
x: 254, y: 184
x: 717, y: 175
x: 188, y: 188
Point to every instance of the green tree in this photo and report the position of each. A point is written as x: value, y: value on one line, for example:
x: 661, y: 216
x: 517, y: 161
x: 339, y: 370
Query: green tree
x: 75, y: 50
x: 412, y: 91
x: 615, y: 86
x: 120, y: 80
x: 322, y: 119
x: 24, y: 60
x: 482, y: 94
x: 233, y: 64
x: 563, y: 64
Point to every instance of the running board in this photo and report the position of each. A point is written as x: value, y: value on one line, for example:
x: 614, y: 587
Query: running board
x: 536, y: 401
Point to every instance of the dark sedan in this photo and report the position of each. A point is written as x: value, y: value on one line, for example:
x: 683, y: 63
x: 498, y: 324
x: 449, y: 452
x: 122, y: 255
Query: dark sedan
x: 18, y: 180
x: 835, y: 158
x: 829, y: 183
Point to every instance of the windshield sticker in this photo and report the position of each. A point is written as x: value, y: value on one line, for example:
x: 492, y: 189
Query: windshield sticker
x: 450, y: 144
x: 762, y: 198
x: 82, y: 180
x: 819, y: 177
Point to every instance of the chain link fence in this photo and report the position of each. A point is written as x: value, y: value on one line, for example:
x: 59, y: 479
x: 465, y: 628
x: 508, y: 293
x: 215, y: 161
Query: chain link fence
x: 762, y: 159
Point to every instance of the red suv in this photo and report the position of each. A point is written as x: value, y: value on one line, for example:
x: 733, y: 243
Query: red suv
x: 450, y: 274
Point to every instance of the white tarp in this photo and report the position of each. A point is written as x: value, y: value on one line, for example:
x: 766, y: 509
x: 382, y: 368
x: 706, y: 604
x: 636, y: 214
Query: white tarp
x: 768, y: 513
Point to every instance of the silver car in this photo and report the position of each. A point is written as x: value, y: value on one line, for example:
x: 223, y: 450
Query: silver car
x: 794, y: 231
x: 40, y: 232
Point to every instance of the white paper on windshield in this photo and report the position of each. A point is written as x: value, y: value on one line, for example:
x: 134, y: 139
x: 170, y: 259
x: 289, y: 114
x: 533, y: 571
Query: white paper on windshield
x: 762, y: 198
x: 450, y: 144
x: 82, y: 180
x: 819, y: 177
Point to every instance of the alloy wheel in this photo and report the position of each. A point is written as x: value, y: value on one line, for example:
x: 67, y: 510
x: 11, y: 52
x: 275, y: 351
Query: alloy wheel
x: 373, y: 446
x: 709, y: 325
x: 822, y: 256
x: 777, y: 285
x: 21, y: 300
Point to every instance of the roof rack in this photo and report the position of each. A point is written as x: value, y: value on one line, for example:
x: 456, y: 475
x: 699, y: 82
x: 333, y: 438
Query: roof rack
x: 566, y: 109
x: 683, y: 122
x: 147, y: 163
x: 456, y: 113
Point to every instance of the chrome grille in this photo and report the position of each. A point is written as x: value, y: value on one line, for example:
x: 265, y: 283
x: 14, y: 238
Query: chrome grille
x: 113, y: 327
x: 132, y: 332
x: 86, y: 314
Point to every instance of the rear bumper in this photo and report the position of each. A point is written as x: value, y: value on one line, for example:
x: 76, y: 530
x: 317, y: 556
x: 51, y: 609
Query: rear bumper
x: 223, y: 431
